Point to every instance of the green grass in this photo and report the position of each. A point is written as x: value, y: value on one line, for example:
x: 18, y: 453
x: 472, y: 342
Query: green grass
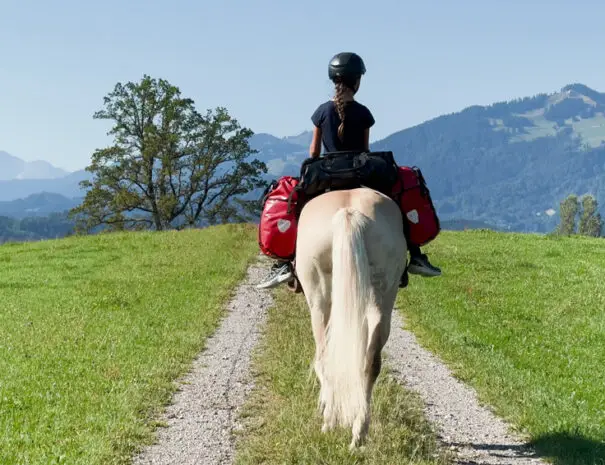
x: 282, y: 425
x: 592, y: 130
x: 93, y: 331
x: 542, y: 128
x: 522, y: 319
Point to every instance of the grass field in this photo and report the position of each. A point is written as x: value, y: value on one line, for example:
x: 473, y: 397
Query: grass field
x: 93, y: 330
x: 522, y: 319
x: 283, y: 426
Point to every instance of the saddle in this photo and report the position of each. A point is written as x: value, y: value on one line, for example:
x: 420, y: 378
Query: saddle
x: 284, y: 199
x: 347, y: 170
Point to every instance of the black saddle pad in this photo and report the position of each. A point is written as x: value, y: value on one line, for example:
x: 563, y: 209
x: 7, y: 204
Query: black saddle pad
x: 348, y: 170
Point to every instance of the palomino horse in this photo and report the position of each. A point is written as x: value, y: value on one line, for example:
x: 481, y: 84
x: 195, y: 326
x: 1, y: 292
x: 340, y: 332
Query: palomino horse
x: 351, y: 253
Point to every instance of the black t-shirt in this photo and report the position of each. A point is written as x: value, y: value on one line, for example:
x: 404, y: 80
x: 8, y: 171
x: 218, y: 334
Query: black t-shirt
x: 357, y: 119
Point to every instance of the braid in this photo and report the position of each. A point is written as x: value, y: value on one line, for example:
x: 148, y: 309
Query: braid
x: 340, y: 108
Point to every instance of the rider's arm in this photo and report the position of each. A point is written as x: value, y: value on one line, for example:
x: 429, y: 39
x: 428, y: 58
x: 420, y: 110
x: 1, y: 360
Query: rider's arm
x: 315, y: 149
x: 366, y: 139
x: 369, y: 122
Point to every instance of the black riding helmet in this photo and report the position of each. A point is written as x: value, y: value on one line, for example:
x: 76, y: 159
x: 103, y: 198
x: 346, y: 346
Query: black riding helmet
x: 346, y: 67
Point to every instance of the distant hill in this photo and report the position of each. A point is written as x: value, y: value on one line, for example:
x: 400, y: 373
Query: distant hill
x: 12, y: 167
x: 511, y: 163
x: 303, y: 139
x: 281, y: 155
x: 463, y: 225
x: 508, y: 164
x: 34, y: 228
x: 67, y: 186
x: 41, y: 204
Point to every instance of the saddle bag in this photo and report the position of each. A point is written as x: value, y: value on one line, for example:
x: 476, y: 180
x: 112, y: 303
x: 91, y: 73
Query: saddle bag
x: 348, y: 170
x: 413, y: 197
x: 278, y: 221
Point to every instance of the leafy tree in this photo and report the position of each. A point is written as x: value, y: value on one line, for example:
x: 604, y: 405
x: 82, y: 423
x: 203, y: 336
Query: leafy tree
x: 591, y: 223
x: 568, y: 213
x: 169, y: 166
x: 587, y: 208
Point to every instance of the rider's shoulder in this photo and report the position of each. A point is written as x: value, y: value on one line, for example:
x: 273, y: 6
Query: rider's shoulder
x: 327, y: 105
x: 360, y: 106
x: 322, y: 112
x: 364, y: 113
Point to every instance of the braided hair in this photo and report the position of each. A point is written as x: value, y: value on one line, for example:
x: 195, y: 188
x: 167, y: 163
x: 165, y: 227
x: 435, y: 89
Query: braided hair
x: 345, y: 69
x: 339, y: 102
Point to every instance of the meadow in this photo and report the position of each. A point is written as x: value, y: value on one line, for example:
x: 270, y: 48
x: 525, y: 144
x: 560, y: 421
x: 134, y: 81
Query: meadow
x: 282, y: 424
x: 94, y: 330
x: 521, y: 318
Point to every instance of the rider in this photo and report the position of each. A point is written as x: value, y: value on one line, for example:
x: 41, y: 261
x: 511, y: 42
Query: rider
x: 345, y: 70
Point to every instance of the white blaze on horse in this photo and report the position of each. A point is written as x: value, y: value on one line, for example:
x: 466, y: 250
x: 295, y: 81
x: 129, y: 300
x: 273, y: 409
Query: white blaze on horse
x: 351, y: 253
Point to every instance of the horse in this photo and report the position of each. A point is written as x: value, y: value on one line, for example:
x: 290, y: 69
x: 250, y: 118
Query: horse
x: 350, y: 256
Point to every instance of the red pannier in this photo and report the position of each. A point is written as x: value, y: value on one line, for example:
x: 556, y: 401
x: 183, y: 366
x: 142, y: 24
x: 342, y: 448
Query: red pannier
x: 413, y: 197
x: 278, y: 222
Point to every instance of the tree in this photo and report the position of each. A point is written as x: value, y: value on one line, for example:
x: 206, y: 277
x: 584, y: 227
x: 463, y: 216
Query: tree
x: 587, y: 208
x: 568, y: 212
x: 591, y: 223
x: 169, y: 166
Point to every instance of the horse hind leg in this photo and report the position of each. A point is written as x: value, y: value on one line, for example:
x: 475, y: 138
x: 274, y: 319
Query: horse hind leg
x: 372, y: 368
x: 323, y: 398
x: 318, y: 323
x: 326, y: 394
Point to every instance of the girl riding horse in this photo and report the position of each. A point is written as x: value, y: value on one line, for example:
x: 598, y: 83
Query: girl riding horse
x: 343, y: 124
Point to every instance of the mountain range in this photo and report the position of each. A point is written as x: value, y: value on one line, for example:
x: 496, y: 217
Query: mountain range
x: 14, y: 168
x: 39, y: 204
x: 507, y: 165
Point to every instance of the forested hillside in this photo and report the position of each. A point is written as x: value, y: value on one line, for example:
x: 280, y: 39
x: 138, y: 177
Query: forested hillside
x: 508, y: 164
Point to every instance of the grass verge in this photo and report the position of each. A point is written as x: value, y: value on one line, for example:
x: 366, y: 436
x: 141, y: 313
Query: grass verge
x: 280, y: 417
x: 93, y: 331
x: 520, y: 318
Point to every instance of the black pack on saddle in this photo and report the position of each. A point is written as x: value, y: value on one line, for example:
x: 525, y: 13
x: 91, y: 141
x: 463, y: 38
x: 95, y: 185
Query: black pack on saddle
x: 348, y: 170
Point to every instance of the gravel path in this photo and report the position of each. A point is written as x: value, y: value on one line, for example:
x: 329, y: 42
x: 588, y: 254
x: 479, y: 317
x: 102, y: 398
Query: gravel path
x: 472, y: 432
x: 202, y: 415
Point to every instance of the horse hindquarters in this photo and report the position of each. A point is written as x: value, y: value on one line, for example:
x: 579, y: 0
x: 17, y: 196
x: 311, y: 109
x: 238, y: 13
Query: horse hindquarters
x: 344, y: 360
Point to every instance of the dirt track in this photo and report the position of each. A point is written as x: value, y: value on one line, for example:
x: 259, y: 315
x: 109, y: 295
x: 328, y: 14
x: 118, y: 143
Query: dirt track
x: 473, y: 432
x: 204, y: 411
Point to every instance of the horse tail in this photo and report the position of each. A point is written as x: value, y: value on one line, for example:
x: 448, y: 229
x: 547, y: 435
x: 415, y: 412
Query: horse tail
x: 347, y: 332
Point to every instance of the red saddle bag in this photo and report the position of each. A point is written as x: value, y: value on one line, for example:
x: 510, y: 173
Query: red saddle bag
x: 412, y: 194
x: 278, y: 221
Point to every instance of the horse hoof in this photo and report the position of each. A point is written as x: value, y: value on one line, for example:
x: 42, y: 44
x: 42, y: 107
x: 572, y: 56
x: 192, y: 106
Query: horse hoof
x: 357, y: 445
x: 326, y: 427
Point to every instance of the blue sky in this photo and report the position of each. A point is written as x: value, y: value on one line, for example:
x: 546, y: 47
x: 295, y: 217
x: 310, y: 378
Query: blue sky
x: 266, y: 60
